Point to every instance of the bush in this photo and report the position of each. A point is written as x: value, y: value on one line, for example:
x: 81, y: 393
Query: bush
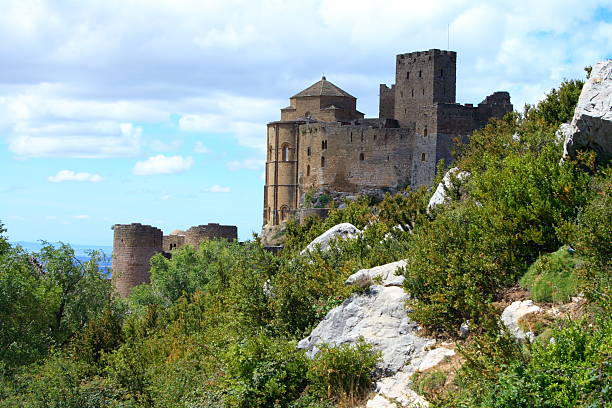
x: 264, y: 372
x: 345, y: 371
x: 552, y: 277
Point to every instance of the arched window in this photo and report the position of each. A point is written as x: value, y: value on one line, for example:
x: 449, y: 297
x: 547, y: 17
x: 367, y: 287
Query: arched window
x: 324, y: 144
x: 361, y: 156
x: 322, y: 161
x: 284, y: 213
x: 308, y: 170
x: 286, y: 152
x: 308, y: 152
x: 422, y: 156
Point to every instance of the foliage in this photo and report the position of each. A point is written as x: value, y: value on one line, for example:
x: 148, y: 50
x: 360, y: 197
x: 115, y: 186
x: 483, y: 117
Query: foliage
x: 264, y: 372
x: 428, y: 384
x: 571, y: 371
x: 558, y: 106
x: 551, y: 278
x: 345, y: 371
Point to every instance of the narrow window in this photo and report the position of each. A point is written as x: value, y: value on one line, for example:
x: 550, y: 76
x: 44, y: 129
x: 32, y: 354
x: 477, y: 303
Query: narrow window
x: 284, y: 213
x: 413, y: 93
x: 425, y: 131
x: 308, y: 170
x: 441, y: 72
x: 322, y: 161
x: 420, y: 74
x: 308, y: 152
x: 422, y: 156
x: 324, y: 144
x: 286, y: 153
x: 361, y: 156
x: 351, y: 137
x: 423, y: 91
x: 408, y: 75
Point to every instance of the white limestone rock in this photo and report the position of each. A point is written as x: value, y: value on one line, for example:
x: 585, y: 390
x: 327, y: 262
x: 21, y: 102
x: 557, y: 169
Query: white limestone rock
x: 384, y: 272
x: 435, y: 357
x: 396, y: 388
x: 379, y: 316
x: 341, y: 231
x: 439, y: 196
x: 512, y: 314
x: 591, y: 126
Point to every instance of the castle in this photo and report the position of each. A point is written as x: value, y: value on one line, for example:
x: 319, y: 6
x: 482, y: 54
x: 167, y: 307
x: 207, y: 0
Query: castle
x: 322, y: 142
x: 135, y: 244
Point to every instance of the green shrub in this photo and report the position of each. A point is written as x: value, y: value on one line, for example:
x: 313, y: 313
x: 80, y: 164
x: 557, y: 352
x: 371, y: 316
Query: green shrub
x: 345, y: 371
x: 264, y: 372
x: 428, y: 384
x: 552, y: 278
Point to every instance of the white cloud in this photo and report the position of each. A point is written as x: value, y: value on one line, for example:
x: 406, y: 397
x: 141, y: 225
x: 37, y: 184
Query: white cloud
x: 218, y: 189
x: 161, y: 164
x: 165, y: 197
x: 81, y: 217
x: 69, y: 175
x: 249, y: 164
x: 200, y: 148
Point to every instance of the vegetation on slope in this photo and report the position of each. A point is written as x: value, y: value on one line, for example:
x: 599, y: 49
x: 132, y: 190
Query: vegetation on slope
x: 218, y: 325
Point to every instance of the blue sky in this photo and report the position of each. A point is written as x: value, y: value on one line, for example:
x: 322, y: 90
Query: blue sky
x: 154, y: 111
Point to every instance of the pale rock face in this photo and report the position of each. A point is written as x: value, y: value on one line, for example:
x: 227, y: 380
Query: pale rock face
x: 439, y: 196
x: 396, y: 388
x: 379, y: 316
x: 591, y: 126
x: 384, y: 272
x: 512, y: 314
x: 435, y: 357
x: 341, y: 231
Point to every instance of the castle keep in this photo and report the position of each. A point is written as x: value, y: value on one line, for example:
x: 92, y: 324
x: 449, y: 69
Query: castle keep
x: 322, y: 142
x: 135, y: 244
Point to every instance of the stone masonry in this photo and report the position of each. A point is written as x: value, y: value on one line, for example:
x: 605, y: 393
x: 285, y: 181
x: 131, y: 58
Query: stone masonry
x: 322, y: 142
x: 135, y: 244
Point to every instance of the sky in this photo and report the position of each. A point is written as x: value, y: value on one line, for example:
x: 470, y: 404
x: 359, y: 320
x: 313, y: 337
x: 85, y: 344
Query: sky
x: 155, y: 111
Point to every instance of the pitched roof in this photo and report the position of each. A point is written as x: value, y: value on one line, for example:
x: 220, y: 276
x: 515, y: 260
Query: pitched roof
x: 322, y: 88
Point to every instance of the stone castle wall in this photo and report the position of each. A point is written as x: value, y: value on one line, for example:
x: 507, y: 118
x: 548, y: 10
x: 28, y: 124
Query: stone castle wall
x: 133, y: 247
x: 135, y: 244
x: 194, y: 236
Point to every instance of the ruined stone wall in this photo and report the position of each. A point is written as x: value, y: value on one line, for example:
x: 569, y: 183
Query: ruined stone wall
x: 352, y: 158
x: 195, y: 235
x: 172, y: 242
x: 386, y: 106
x: 133, y: 247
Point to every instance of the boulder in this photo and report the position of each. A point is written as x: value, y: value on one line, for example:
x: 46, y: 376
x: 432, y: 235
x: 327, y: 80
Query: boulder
x: 341, y: 231
x: 591, y: 126
x: 440, y: 196
x: 384, y: 272
x: 512, y: 314
x: 379, y: 316
x: 396, y: 388
x: 435, y: 357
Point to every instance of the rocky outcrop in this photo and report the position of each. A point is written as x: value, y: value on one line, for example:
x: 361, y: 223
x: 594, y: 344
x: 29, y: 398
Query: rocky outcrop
x: 513, y: 313
x: 440, y: 196
x: 435, y: 357
x: 591, y: 126
x: 384, y: 273
x: 379, y: 316
x: 341, y: 231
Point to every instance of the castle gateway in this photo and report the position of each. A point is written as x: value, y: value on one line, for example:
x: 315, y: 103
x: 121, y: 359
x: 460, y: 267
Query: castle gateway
x: 323, y: 142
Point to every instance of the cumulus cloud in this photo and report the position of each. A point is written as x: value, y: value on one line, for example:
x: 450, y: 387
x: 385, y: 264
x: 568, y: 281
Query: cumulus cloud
x: 200, y: 148
x: 69, y: 175
x: 161, y: 164
x: 218, y: 189
x: 249, y: 164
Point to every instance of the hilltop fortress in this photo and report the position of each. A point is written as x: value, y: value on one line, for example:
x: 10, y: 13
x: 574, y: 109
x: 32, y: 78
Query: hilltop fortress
x: 323, y: 143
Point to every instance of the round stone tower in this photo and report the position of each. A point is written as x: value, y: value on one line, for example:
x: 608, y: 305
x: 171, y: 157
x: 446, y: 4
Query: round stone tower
x: 195, y: 235
x: 133, y: 247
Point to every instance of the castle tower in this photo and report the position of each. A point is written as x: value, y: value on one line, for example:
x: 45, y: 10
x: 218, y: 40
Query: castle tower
x: 322, y: 102
x: 133, y: 247
x: 422, y: 79
x: 195, y: 235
